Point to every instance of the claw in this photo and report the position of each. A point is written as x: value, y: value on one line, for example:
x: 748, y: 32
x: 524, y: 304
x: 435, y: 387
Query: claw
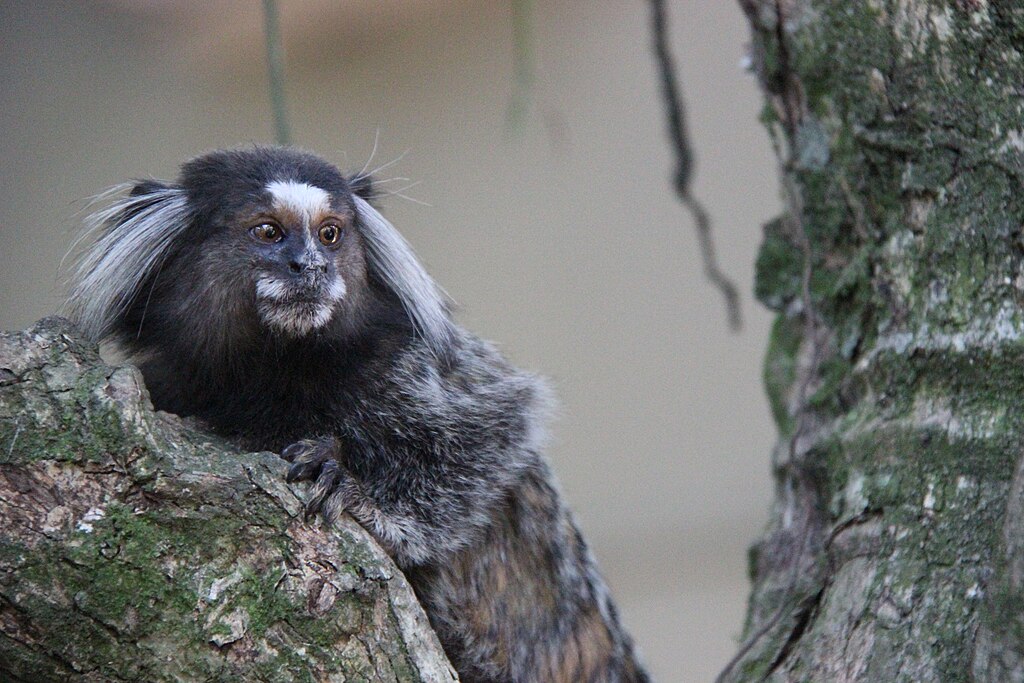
x: 333, y: 506
x: 317, y: 461
x: 303, y: 471
x: 324, y: 486
x: 295, y: 450
x: 307, y: 458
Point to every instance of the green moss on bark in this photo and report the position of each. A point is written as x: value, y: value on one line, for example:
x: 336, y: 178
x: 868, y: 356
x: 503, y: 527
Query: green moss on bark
x: 900, y: 125
x: 138, y: 549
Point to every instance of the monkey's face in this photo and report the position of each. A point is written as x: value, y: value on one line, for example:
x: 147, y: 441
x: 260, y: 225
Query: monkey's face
x: 301, y: 244
x: 250, y: 243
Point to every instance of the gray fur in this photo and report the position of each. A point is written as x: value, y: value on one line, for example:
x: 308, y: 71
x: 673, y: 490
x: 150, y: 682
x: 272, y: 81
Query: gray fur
x: 391, y: 257
x: 136, y: 236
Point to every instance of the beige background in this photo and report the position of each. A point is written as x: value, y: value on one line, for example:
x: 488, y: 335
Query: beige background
x: 561, y: 239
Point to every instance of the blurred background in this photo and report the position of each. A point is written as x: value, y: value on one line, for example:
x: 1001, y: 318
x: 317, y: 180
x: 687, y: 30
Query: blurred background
x: 558, y: 235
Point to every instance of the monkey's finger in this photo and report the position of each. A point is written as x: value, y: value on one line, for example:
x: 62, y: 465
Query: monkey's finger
x: 304, y: 470
x: 347, y: 496
x: 335, y: 504
x: 326, y: 483
x: 295, y: 450
x: 306, y: 467
x: 307, y: 462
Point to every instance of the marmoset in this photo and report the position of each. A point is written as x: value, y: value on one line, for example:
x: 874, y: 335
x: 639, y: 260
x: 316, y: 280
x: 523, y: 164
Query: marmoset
x: 262, y: 293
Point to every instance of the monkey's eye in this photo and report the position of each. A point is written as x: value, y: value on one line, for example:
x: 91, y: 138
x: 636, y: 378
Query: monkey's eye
x: 267, y: 233
x: 329, y: 234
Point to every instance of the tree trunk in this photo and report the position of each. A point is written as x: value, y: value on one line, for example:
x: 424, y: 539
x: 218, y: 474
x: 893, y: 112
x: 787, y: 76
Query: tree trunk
x: 134, y: 548
x: 895, y: 549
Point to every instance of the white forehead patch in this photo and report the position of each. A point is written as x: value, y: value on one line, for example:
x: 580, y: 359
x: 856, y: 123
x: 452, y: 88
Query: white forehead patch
x: 300, y: 198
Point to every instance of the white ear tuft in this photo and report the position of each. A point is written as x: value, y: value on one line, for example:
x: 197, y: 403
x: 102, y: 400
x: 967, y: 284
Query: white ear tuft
x: 391, y: 258
x: 136, y: 234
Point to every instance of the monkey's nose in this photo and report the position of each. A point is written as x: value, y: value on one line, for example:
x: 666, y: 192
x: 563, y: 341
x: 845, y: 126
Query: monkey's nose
x: 307, y: 265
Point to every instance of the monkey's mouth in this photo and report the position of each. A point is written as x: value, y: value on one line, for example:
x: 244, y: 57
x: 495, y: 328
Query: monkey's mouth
x: 297, y: 307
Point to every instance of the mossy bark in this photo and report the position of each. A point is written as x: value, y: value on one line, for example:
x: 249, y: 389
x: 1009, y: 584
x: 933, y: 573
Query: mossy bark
x: 896, y: 365
x: 135, y: 548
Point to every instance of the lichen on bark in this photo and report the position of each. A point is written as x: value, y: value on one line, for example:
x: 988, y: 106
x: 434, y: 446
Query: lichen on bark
x: 896, y: 364
x: 136, y: 547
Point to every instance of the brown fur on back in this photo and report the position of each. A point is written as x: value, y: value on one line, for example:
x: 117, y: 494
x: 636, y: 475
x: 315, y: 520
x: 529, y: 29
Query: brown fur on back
x: 526, y: 604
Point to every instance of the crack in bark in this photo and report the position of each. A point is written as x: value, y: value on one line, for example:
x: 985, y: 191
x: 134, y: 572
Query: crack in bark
x: 860, y: 519
x: 111, y: 630
x: 34, y: 643
x: 791, y: 120
x: 804, y: 614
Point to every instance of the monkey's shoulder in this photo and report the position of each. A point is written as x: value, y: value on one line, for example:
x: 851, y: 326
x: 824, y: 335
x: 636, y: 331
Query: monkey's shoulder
x: 475, y: 394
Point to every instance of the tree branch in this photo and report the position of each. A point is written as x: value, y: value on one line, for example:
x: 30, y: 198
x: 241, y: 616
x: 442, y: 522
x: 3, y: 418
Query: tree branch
x: 679, y: 136
x: 135, y: 547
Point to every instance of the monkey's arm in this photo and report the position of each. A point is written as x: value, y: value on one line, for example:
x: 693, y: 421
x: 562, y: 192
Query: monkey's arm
x: 427, y: 458
x: 415, y: 514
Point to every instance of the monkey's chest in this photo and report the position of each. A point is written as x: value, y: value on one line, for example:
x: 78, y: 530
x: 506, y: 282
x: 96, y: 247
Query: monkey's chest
x: 260, y: 415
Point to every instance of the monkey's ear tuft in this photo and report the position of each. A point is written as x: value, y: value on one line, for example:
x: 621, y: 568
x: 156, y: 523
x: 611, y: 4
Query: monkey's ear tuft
x: 363, y: 186
x: 144, y: 187
x: 133, y: 236
x: 392, y: 261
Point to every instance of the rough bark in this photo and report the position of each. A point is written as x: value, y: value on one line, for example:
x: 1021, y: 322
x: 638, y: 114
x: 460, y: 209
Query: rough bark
x: 135, y: 548
x: 896, y: 364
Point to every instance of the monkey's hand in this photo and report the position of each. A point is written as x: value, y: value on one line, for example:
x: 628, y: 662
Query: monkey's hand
x: 421, y: 516
x: 333, y: 490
